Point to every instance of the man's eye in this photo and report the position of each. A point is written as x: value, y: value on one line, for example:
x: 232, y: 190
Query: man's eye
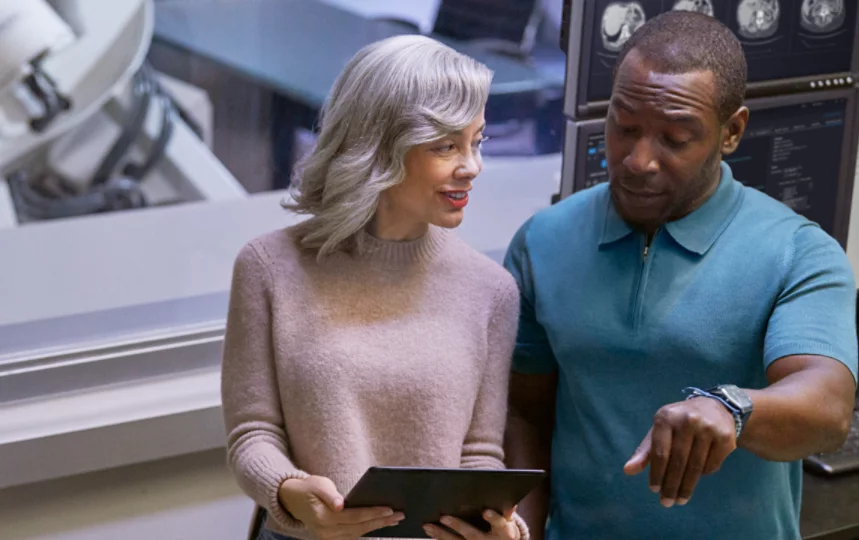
x: 627, y: 130
x: 675, y: 143
x: 478, y: 144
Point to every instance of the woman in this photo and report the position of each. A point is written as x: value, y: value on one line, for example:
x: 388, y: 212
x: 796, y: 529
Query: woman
x: 369, y: 334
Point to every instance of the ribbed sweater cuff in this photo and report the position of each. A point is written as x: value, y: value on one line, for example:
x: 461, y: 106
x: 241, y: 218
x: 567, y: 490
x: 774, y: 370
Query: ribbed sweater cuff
x: 524, y: 531
x: 269, y: 470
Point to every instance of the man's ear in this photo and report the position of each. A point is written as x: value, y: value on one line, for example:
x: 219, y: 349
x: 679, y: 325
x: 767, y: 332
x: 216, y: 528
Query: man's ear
x: 733, y: 129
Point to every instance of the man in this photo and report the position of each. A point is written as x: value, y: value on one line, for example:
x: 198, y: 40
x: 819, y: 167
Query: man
x: 674, y: 281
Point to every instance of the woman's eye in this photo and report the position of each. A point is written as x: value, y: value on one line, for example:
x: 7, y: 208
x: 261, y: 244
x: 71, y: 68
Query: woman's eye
x: 478, y: 144
x: 445, y: 148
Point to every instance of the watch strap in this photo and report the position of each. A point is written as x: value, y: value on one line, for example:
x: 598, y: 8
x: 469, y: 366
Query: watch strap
x: 735, y: 413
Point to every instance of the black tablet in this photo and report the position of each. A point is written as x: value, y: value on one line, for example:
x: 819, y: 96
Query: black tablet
x: 424, y: 495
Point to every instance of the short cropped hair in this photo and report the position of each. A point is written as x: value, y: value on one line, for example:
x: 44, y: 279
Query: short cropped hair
x: 684, y: 41
x: 394, y: 94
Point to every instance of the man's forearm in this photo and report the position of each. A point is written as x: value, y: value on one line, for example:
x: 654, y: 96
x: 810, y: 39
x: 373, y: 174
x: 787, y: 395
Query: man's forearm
x: 804, y: 412
x: 528, y: 447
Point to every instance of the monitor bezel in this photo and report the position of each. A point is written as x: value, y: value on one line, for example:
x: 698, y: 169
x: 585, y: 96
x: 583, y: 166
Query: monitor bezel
x: 578, y: 131
x: 580, y: 37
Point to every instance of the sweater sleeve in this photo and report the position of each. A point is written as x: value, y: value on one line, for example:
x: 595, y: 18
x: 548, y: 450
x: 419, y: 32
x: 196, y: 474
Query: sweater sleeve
x: 483, y: 447
x: 256, y: 436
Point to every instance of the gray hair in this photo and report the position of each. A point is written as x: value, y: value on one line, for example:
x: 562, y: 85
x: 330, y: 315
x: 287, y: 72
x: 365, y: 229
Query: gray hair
x: 393, y: 94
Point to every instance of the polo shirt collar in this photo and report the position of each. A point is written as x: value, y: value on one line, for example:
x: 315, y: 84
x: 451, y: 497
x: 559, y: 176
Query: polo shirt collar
x: 696, y: 232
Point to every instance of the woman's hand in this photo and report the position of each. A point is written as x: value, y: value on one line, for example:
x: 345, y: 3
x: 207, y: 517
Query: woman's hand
x: 503, y: 528
x: 316, y: 502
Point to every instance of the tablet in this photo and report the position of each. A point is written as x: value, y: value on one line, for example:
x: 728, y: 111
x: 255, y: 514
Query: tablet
x: 424, y: 495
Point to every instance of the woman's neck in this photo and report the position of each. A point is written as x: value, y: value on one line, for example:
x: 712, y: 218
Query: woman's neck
x: 390, y: 228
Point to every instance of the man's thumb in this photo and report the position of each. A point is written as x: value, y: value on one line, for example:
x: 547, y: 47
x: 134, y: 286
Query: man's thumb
x: 637, y: 463
x: 639, y: 460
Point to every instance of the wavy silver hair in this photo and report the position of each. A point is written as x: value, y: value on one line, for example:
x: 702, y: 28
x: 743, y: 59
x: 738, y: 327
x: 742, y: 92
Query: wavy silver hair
x: 392, y: 95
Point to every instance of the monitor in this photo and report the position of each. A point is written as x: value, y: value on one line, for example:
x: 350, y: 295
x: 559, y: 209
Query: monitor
x: 790, y: 45
x: 799, y: 149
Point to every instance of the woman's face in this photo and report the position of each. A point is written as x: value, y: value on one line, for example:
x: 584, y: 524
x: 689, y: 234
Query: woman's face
x: 435, y: 190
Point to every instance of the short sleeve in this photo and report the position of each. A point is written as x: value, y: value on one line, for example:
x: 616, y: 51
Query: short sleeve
x: 815, y: 313
x: 533, y: 352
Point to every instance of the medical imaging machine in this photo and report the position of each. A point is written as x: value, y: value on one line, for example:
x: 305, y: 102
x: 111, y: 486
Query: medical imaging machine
x: 86, y: 127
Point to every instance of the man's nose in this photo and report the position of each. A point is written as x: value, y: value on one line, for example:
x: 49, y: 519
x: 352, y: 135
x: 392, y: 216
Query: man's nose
x: 642, y: 159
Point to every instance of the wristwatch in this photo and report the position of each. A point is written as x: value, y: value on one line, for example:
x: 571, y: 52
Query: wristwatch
x: 733, y: 398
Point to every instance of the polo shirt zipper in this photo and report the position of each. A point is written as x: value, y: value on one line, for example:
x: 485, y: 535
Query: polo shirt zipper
x: 647, y: 244
x: 642, y: 282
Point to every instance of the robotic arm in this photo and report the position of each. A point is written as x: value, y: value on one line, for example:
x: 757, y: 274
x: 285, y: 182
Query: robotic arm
x: 30, y: 30
x: 85, y: 126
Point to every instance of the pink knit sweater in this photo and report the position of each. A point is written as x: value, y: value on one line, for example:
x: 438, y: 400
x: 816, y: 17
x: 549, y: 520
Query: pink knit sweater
x: 397, y: 357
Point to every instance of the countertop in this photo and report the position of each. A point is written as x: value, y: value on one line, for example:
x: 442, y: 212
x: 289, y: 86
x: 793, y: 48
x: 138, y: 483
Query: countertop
x: 830, y: 507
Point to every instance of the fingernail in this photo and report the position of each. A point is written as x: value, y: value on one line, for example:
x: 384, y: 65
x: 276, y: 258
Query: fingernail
x: 681, y: 501
x: 446, y: 520
x: 388, y: 512
x: 338, y: 502
x: 667, y: 503
x: 489, y: 514
x: 654, y: 489
x: 428, y: 530
x: 399, y: 516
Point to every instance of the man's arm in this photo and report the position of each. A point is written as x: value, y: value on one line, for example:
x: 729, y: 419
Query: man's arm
x: 810, y: 357
x: 533, y: 385
x: 528, y: 439
x: 806, y: 409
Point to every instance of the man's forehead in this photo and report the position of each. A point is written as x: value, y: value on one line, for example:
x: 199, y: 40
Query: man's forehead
x: 641, y: 84
x: 637, y: 69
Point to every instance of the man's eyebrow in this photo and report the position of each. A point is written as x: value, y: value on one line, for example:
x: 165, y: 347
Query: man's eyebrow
x: 682, y: 118
x: 620, y: 104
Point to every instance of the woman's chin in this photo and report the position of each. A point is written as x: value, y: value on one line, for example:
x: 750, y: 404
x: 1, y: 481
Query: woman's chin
x: 449, y: 221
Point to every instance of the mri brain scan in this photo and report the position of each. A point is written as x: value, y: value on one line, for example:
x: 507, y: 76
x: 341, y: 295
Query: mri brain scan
x: 619, y: 21
x: 701, y: 6
x: 758, y: 19
x: 820, y: 16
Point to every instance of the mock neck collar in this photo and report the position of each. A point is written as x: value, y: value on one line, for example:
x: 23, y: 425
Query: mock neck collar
x: 407, y: 251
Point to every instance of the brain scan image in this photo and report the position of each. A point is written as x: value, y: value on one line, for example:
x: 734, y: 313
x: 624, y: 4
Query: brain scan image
x: 821, y: 16
x: 701, y: 6
x: 619, y: 21
x: 758, y: 19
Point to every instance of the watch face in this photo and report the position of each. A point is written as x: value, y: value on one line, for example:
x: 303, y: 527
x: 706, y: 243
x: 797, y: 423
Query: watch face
x: 737, y: 396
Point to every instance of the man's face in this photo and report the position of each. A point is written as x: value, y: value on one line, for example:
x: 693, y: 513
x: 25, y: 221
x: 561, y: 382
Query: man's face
x: 664, y: 142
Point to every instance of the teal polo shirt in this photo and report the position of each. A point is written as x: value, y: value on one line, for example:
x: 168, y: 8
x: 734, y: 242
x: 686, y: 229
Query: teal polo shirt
x: 737, y: 284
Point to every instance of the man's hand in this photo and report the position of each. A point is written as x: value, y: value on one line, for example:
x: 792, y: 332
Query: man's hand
x: 688, y: 439
x: 316, y: 502
x: 503, y: 528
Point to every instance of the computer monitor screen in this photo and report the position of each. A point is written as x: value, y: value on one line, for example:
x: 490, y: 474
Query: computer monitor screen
x: 799, y: 149
x: 785, y: 41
